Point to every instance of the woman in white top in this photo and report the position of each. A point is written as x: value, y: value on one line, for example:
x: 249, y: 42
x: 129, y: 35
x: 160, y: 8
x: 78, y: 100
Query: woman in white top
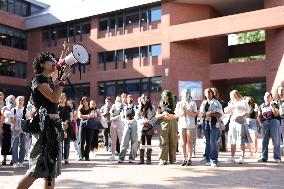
x: 238, y: 130
x: 186, y: 111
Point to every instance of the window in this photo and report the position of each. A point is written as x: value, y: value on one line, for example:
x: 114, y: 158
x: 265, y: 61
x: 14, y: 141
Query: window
x: 155, y: 50
x: 3, y: 5
x: 144, y: 51
x: 12, y: 37
x: 11, y: 7
x: 101, y: 89
x: 62, y: 32
x: 82, y: 89
x: 132, y: 18
x: 12, y: 68
x: 71, y: 30
x: 112, y: 22
x: 86, y: 27
x: 53, y: 33
x: 110, y: 89
x: 120, y: 21
x: 132, y: 86
x: 78, y: 28
x: 119, y: 55
x: 145, y: 85
x: 45, y: 35
x: 143, y: 16
x: 132, y: 53
x: 155, y: 14
x: 156, y: 84
x: 120, y: 87
x: 101, y: 57
x: 103, y: 24
x: 110, y: 56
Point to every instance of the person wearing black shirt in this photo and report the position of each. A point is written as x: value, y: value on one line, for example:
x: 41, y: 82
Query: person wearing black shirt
x: 168, y: 133
x: 65, y: 114
x: 45, y: 156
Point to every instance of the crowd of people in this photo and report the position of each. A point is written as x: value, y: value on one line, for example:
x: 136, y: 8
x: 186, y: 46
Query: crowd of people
x: 125, y: 121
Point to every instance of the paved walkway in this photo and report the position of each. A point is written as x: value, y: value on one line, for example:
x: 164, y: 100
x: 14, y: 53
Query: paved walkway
x: 101, y: 173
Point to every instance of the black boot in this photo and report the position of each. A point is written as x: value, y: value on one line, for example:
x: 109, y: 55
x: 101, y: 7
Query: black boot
x: 142, y: 153
x: 149, y: 154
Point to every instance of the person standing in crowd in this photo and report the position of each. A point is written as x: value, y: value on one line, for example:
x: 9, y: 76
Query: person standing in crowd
x: 105, y: 111
x: 45, y: 156
x: 269, y: 121
x: 65, y: 114
x: 2, y: 104
x: 238, y: 130
x: 18, y: 136
x: 85, y: 133
x: 95, y: 137
x: 129, y: 132
x: 6, y: 138
x: 210, y: 112
x: 117, y: 125
x: 74, y: 118
x: 186, y: 111
x: 252, y: 124
x: 280, y: 101
x: 146, y: 117
x: 223, y: 132
x: 168, y: 128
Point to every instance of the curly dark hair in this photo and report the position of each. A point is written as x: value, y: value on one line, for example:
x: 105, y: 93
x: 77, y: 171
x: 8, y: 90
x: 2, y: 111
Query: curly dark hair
x: 40, y: 59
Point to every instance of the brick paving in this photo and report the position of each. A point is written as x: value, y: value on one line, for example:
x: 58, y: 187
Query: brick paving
x: 101, y: 173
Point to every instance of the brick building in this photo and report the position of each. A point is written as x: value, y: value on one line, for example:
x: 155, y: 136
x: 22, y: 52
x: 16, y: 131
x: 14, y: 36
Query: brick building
x: 145, y: 46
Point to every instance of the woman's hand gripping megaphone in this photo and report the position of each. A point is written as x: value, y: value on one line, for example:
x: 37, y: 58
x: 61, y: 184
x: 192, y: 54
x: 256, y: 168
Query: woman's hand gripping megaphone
x: 64, y: 70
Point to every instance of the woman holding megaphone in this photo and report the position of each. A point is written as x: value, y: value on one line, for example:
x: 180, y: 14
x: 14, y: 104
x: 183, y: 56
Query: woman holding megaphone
x: 45, y: 156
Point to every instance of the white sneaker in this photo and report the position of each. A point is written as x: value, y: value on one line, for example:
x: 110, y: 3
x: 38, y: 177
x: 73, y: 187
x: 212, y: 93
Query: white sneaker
x: 277, y: 160
x: 241, y: 160
x: 112, y: 158
x: 21, y: 165
x: 15, y: 165
x: 231, y: 160
x: 213, y: 165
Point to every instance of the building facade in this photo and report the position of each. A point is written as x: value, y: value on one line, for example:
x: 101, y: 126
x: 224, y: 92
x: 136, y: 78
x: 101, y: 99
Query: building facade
x: 148, y: 46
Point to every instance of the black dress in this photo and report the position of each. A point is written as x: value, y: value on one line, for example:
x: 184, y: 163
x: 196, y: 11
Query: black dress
x: 45, y: 156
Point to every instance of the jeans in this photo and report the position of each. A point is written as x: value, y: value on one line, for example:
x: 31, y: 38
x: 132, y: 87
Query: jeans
x: 271, y: 128
x: 106, y: 136
x: 211, y: 134
x: 129, y: 134
x: 66, y: 148
x: 19, y: 139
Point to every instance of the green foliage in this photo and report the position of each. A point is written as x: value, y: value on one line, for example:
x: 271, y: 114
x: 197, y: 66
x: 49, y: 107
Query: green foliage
x: 250, y: 37
x: 249, y: 58
x: 255, y: 90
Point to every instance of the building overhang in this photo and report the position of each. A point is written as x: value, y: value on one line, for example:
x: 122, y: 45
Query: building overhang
x: 228, y: 7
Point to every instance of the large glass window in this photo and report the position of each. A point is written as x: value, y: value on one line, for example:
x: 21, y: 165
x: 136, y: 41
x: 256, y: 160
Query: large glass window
x: 132, y: 86
x: 132, y: 18
x: 119, y: 55
x: 155, y: 50
x: 103, y: 24
x: 86, y: 27
x: 112, y: 22
x: 12, y: 37
x: 101, y: 57
x: 155, y: 14
x: 132, y: 53
x: 110, y: 89
x: 11, y: 6
x: 156, y: 84
x: 145, y: 85
x: 12, y: 68
x: 19, y: 7
x: 3, y: 5
x: 110, y: 56
x: 101, y: 89
x: 144, y: 51
x: 62, y: 32
x: 120, y: 21
x: 120, y: 87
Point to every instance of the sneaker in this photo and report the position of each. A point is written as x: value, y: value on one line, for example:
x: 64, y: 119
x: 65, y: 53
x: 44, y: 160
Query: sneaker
x: 21, y: 165
x: 204, y: 160
x: 4, y: 162
x: 277, y: 160
x: 262, y: 160
x: 15, y: 165
x: 131, y: 161
x: 162, y: 162
x: 231, y: 160
x: 184, y: 162
x: 112, y: 158
x: 120, y: 161
x: 213, y: 165
x: 241, y: 160
x: 207, y: 163
x: 188, y: 163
